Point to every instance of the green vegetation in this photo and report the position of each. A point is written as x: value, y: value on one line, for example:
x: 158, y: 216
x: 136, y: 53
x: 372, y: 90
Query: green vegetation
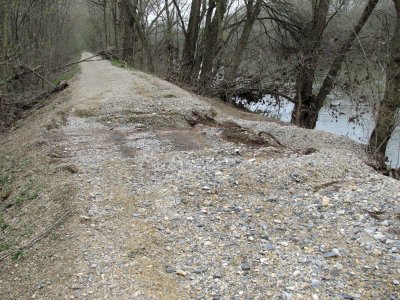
x: 5, y: 184
x: 3, y: 224
x: 117, y: 63
x: 29, y: 192
x: 17, y: 255
x: 4, y: 179
x: 5, y: 246
x: 168, y: 96
x: 23, y: 164
x: 68, y: 75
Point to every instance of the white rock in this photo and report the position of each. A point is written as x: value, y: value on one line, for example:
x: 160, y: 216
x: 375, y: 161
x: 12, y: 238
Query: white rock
x: 379, y: 236
x: 325, y: 201
x: 296, y: 273
x: 181, y: 273
x: 385, y: 223
x: 284, y: 244
x: 264, y: 261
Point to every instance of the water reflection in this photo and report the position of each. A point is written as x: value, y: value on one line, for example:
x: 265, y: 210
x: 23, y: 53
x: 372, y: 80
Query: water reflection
x: 341, y: 117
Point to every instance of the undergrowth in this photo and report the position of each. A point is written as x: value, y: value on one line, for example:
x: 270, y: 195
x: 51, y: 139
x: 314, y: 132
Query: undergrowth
x: 117, y: 63
x: 68, y: 75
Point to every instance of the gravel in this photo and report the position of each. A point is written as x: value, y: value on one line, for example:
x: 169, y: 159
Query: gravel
x: 182, y: 210
x: 246, y: 222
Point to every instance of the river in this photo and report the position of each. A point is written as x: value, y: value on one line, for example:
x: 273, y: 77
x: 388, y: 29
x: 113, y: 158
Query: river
x: 342, y: 117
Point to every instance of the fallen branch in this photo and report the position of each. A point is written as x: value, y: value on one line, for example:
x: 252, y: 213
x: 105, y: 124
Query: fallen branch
x: 272, y: 137
x: 41, y: 235
x: 58, y: 88
x: 40, y: 76
x: 326, y: 184
x: 108, y: 54
x: 73, y: 63
x: 26, y: 72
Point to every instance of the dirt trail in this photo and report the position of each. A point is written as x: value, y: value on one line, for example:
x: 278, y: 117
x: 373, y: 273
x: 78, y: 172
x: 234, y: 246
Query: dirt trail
x: 164, y: 210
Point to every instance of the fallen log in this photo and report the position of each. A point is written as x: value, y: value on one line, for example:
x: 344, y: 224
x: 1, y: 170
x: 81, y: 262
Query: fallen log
x: 73, y: 63
x: 108, y: 54
x: 58, y: 88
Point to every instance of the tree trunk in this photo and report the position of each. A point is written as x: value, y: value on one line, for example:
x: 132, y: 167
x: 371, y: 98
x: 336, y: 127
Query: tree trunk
x: 105, y: 23
x: 171, y: 51
x: 145, y: 43
x: 5, y: 29
x: 253, y: 10
x: 212, y: 35
x: 308, y: 115
x: 191, y: 38
x: 115, y: 23
x: 306, y: 75
x: 128, y: 23
x: 387, y: 118
x: 202, y: 40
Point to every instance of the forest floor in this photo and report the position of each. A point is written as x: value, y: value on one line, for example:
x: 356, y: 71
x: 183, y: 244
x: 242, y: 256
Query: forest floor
x: 147, y: 206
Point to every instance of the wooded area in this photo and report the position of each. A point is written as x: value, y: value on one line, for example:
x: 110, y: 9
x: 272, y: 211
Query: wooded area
x: 302, y: 51
x: 36, y: 37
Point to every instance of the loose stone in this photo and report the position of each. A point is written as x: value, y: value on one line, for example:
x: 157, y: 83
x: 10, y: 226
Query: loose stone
x: 245, y: 266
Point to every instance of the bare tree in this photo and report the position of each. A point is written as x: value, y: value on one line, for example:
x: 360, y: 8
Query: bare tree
x: 308, y: 105
x: 128, y: 27
x: 191, y: 38
x: 387, y: 118
x: 253, y: 9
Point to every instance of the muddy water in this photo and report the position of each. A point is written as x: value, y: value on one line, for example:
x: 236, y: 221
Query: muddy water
x: 338, y: 116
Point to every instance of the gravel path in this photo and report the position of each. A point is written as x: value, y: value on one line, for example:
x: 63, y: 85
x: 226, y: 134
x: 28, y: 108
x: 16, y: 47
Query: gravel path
x: 170, y: 211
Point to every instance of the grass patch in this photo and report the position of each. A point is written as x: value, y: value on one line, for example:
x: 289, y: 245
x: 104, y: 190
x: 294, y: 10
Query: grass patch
x: 117, y: 63
x: 5, y: 246
x: 24, y: 164
x: 68, y: 75
x: 29, y: 192
x: 4, y: 179
x: 17, y: 255
x: 3, y: 224
x: 169, y: 96
x: 5, y: 186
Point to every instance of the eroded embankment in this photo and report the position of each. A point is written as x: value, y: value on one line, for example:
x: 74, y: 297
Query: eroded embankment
x: 178, y: 197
